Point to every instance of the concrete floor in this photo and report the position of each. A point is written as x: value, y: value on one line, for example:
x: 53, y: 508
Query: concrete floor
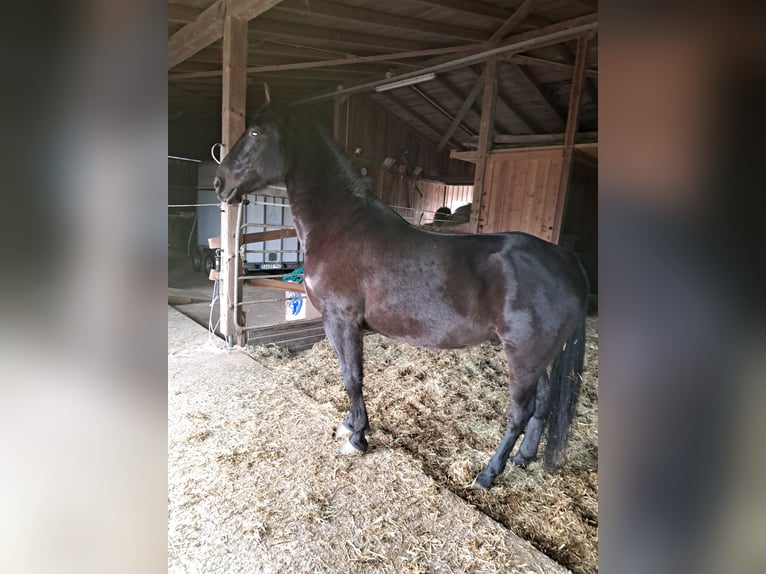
x: 268, y: 306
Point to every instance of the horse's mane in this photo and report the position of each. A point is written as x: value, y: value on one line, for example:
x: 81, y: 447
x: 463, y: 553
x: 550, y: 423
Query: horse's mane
x: 310, y: 139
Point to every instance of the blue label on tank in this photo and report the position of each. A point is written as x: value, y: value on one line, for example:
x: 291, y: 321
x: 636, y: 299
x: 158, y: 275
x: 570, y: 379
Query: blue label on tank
x: 294, y: 303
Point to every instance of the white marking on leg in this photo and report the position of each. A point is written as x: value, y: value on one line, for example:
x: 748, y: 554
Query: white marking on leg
x: 349, y: 449
x: 343, y: 431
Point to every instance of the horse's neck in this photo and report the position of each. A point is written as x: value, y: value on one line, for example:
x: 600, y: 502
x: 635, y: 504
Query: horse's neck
x: 318, y: 202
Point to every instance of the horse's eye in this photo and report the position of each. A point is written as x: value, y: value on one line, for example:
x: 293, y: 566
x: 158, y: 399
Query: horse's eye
x: 253, y: 133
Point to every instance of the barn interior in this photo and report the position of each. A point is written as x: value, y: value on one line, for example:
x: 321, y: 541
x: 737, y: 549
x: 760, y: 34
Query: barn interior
x: 419, y: 93
x: 467, y: 116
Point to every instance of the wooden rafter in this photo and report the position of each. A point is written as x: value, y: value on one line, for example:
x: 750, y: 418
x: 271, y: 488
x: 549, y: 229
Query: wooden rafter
x: 427, y: 137
x: 358, y: 14
x: 398, y: 102
x: 551, y: 35
x: 543, y: 92
x: 504, y: 99
x: 438, y: 107
x: 569, y: 57
x: 467, y: 103
x: 208, y: 26
x: 306, y: 35
x: 508, y: 26
x: 526, y: 60
x: 486, y: 9
x: 392, y: 57
x: 534, y: 139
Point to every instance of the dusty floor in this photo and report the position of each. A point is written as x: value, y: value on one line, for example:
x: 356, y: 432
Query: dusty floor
x: 447, y: 409
x: 265, y: 306
x: 255, y: 483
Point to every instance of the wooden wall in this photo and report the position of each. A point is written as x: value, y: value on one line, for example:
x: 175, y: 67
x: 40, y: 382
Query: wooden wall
x: 367, y: 126
x: 522, y: 191
x: 438, y: 194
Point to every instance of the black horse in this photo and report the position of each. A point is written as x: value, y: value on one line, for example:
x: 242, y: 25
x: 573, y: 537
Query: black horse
x: 367, y: 268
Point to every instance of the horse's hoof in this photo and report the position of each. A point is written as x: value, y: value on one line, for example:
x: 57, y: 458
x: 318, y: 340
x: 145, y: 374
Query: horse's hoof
x: 520, y: 461
x: 343, y: 431
x: 482, y: 482
x: 349, y: 449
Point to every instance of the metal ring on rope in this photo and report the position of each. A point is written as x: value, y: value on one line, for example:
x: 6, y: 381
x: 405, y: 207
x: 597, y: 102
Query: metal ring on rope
x: 212, y: 153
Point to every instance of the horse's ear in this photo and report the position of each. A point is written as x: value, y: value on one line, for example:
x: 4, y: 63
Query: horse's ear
x: 266, y: 91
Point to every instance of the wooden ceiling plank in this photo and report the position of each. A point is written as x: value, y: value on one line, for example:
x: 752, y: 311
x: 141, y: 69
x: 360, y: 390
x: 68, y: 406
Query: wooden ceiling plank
x: 208, y: 26
x: 467, y: 103
x: 407, y: 126
x: 414, y: 113
x: 527, y: 60
x: 569, y: 57
x: 551, y: 35
x: 437, y: 106
x: 308, y: 35
x: 504, y: 99
x: 392, y: 57
x: 508, y: 26
x: 362, y: 15
x: 534, y: 139
x: 180, y: 14
x: 543, y: 92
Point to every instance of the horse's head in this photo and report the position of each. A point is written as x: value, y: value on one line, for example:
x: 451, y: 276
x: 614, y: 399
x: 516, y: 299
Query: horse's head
x: 255, y: 161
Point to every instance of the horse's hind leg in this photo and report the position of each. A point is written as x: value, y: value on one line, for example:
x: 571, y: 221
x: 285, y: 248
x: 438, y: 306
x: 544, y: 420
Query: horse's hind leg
x: 528, y: 449
x: 346, y: 339
x: 521, y: 406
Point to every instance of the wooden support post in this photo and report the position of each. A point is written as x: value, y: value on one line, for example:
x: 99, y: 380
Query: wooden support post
x: 233, y: 124
x: 573, y: 116
x: 486, y: 135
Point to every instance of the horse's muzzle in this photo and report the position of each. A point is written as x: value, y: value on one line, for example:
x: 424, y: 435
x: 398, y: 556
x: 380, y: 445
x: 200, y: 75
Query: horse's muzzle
x: 224, y: 195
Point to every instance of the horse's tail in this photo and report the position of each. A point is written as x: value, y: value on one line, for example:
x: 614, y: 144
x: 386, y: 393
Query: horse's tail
x: 566, y: 375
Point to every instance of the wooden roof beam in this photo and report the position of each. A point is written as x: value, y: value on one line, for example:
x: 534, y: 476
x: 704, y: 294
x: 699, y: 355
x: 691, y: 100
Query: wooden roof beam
x: 382, y: 58
x: 486, y: 9
x: 526, y: 60
x: 569, y: 58
x: 515, y: 19
x: 208, y: 26
x: 543, y: 92
x: 534, y: 139
x: 460, y: 96
x: 551, y: 35
x: 436, y: 105
x: 321, y: 36
x: 430, y: 138
x: 504, y: 99
x: 467, y: 103
x: 358, y: 14
x: 397, y: 101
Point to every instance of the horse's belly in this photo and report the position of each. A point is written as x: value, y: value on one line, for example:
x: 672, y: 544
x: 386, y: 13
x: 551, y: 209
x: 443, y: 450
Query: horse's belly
x: 445, y: 332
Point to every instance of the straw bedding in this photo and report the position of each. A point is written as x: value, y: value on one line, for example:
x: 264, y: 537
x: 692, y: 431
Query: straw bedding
x: 447, y: 409
x: 256, y: 484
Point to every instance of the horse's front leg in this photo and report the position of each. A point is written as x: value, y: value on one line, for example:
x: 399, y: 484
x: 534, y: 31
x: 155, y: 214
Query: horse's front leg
x: 346, y: 338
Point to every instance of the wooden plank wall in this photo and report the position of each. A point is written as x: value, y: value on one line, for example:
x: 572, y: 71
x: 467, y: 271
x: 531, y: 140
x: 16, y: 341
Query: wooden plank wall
x: 523, y: 191
x: 379, y: 134
x: 437, y: 194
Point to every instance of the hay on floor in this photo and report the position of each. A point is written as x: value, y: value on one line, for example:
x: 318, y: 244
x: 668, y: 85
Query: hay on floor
x: 447, y: 408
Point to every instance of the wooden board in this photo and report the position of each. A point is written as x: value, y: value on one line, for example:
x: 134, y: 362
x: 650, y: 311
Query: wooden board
x: 276, y: 284
x: 293, y: 335
x: 523, y: 191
